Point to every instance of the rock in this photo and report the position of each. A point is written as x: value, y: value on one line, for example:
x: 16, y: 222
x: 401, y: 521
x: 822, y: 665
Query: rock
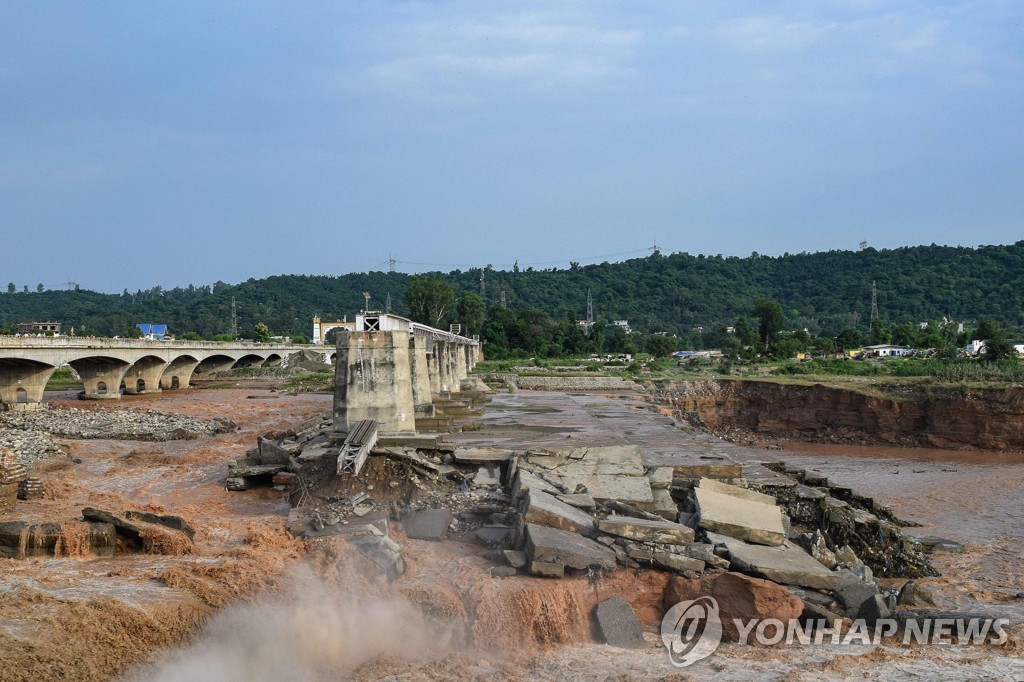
x: 738, y: 596
x: 515, y: 558
x: 704, y: 552
x: 382, y: 551
x: 547, y: 510
x: 607, y: 473
x: 914, y: 594
x: 787, y: 563
x: 124, y: 528
x: 643, y: 530
x: 272, y: 453
x: 815, y: 613
x: 816, y: 546
x: 429, y: 524
x: 12, y: 535
x: 247, y: 469
x: 618, y: 624
x: 852, y: 593
x: 545, y: 569
x: 934, y: 544
x: 503, y: 571
x: 525, y: 481
x: 874, y: 609
x: 739, y: 517
x: 173, y: 522
x: 554, y: 546
x: 8, y: 498
x: 736, y: 491
x: 237, y: 483
x: 285, y: 478
x: 847, y: 558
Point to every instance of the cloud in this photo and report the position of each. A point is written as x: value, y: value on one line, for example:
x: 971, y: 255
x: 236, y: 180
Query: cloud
x: 772, y: 33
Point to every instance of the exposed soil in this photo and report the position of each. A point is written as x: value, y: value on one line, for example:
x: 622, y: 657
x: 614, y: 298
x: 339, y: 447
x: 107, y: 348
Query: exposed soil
x: 951, y: 418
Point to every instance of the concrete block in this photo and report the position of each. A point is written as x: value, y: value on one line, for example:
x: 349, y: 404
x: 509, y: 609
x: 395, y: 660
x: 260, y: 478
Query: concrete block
x: 735, y: 491
x: 428, y: 524
x: 643, y: 530
x: 740, y: 518
x: 482, y: 455
x: 787, y: 564
x: 618, y: 624
x: 547, y: 510
x: 554, y: 546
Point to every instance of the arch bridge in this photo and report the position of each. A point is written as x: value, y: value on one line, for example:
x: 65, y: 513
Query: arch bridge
x: 144, y: 366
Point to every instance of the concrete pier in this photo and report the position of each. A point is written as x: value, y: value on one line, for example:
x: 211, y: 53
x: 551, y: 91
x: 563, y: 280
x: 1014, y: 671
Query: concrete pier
x: 420, y: 375
x: 373, y: 380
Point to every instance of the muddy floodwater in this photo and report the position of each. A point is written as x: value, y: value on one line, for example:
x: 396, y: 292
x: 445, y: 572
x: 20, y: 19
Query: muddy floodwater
x: 251, y: 603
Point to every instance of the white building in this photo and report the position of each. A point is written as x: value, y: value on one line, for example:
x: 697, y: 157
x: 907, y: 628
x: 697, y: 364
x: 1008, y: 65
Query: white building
x: 887, y: 350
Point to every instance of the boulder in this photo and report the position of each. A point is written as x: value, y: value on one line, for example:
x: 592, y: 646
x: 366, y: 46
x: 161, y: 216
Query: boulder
x: 428, y: 524
x: 643, y: 530
x: 618, y: 624
x: 171, y: 521
x: 914, y: 594
x: 852, y: 592
x: 738, y: 596
x: 566, y: 549
x: 547, y: 510
x: 739, y: 517
x: 124, y: 528
x: 874, y: 609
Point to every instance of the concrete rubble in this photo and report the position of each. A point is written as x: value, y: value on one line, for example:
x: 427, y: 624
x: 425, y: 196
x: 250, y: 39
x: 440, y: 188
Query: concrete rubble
x: 772, y: 541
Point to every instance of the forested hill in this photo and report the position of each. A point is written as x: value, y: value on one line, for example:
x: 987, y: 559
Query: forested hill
x: 825, y: 292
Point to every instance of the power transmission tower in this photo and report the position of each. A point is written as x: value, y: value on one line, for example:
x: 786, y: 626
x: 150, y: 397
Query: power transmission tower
x: 387, y: 305
x: 504, y: 303
x: 483, y: 290
x: 234, y: 318
x: 391, y: 263
x: 874, y: 300
x: 653, y: 249
x: 590, y: 313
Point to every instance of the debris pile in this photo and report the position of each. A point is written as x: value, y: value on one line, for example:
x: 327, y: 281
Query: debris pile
x: 778, y: 542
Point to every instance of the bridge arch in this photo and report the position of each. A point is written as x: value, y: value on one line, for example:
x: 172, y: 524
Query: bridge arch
x: 144, y: 375
x: 249, y: 360
x: 99, y: 369
x: 22, y: 383
x: 178, y: 373
x: 215, y: 363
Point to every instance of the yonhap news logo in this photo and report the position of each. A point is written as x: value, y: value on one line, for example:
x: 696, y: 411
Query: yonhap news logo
x: 692, y: 631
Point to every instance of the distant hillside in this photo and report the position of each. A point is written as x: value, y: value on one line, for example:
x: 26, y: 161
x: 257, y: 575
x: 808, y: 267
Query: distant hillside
x: 825, y: 292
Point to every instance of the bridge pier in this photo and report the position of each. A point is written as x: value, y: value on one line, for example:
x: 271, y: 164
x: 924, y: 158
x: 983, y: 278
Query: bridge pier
x: 434, y: 370
x: 453, y: 370
x: 144, y: 376
x: 373, y: 380
x: 460, y: 364
x: 101, y: 376
x: 420, y: 375
x: 22, y: 383
x: 178, y: 373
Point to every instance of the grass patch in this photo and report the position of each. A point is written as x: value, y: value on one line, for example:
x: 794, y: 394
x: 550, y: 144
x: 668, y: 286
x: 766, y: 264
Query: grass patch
x: 62, y: 380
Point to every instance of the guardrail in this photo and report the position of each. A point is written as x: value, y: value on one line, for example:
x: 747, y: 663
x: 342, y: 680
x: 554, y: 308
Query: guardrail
x: 98, y: 342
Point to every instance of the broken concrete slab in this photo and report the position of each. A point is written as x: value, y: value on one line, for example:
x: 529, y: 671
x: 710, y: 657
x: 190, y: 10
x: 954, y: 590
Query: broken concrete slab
x: 382, y: 551
x: 606, y: 473
x: 525, y: 481
x: 684, y: 475
x: 169, y: 520
x: 740, y: 518
x: 735, y: 491
x: 788, y: 563
x: 482, y: 455
x: 644, y: 530
x: 677, y: 562
x: 427, y: 524
x: 545, y: 569
x: 493, y: 535
x: 579, y: 500
x: 547, y: 510
x: 664, y: 505
x: 564, y: 548
x: 515, y: 558
x: 660, y: 477
x: 618, y: 624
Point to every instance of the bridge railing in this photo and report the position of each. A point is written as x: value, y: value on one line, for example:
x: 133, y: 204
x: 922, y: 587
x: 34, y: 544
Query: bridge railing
x: 29, y: 341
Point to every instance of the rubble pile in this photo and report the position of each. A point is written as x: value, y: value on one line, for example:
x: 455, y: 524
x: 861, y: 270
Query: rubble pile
x: 29, y: 433
x: 796, y: 544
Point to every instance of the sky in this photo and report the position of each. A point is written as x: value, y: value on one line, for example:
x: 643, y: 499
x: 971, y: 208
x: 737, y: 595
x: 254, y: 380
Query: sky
x: 169, y: 143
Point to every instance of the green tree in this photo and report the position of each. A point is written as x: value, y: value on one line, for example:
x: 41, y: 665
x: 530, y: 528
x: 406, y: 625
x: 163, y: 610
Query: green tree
x: 191, y: 336
x: 987, y: 329
x: 132, y: 332
x: 880, y: 332
x: 471, y: 313
x: 260, y: 332
x: 660, y: 346
x: 770, y: 318
x: 744, y: 332
x: 430, y: 300
x: 40, y: 288
x: 11, y: 288
x: 998, y: 348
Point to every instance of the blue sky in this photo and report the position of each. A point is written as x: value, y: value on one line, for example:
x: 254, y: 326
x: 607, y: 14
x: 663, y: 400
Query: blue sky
x: 169, y: 143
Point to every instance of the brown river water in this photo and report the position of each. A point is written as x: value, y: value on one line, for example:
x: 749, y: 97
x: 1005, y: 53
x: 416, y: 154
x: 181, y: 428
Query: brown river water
x: 252, y: 604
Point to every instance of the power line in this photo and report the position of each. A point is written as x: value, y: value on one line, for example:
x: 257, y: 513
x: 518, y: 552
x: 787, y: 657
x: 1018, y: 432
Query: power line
x: 509, y: 265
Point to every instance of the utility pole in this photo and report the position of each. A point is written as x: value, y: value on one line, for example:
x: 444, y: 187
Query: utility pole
x: 234, y: 318
x: 874, y: 300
